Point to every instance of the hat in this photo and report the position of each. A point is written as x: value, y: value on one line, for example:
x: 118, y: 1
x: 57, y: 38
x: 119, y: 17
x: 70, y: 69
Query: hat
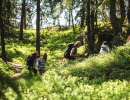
x: 78, y: 42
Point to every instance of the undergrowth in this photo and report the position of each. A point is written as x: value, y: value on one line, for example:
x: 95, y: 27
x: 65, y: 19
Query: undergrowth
x: 98, y: 77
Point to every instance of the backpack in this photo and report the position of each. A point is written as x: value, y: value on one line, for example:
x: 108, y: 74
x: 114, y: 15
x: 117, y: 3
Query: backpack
x: 29, y: 59
x: 68, y: 50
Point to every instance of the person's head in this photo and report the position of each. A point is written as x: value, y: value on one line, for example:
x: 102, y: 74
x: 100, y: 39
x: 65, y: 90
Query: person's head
x: 44, y: 56
x: 104, y: 43
x: 78, y: 43
x: 36, y: 53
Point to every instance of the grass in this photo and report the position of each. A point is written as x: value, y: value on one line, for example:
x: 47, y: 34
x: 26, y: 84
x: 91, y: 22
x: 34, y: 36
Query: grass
x: 109, y: 65
x: 99, y: 77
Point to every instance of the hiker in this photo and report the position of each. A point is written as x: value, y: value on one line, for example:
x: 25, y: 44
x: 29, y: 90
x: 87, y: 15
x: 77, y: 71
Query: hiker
x: 128, y: 39
x: 104, y: 47
x: 71, y: 52
x: 40, y: 63
x: 31, y: 60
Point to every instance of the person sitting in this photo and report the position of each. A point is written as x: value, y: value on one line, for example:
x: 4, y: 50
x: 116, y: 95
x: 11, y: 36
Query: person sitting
x: 104, y: 47
x: 40, y: 63
x: 128, y: 39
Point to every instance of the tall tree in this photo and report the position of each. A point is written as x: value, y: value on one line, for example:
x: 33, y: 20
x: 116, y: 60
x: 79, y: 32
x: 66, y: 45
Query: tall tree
x: 115, y: 21
x: 2, y: 38
x: 92, y: 33
x: 73, y: 26
x: 69, y: 17
x: 90, y: 26
x: 83, y: 13
x: 69, y: 5
x: 38, y: 27
x: 22, y: 20
x: 96, y: 15
x: 128, y: 14
x: 87, y: 31
x: 2, y: 29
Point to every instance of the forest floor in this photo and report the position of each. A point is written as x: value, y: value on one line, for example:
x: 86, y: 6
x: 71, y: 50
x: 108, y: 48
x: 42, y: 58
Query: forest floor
x: 17, y: 69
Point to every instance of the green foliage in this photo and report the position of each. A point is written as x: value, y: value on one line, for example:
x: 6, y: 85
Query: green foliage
x: 99, y: 77
x: 5, y: 82
x: 5, y: 68
x: 113, y: 65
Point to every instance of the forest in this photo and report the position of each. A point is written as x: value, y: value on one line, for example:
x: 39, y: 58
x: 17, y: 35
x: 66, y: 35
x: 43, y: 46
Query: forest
x: 48, y: 26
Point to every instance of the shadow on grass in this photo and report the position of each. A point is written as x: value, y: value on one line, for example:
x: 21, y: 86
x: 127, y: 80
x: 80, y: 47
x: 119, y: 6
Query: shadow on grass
x: 30, y: 79
x: 6, y: 83
x: 18, y: 87
x: 15, y: 54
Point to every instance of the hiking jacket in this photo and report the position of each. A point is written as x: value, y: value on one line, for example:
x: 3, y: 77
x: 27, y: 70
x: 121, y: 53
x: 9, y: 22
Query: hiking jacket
x: 31, y: 60
x: 40, y: 63
x: 104, y: 49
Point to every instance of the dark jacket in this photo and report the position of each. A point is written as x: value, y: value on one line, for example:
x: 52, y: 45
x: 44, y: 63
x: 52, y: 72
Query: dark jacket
x: 31, y: 60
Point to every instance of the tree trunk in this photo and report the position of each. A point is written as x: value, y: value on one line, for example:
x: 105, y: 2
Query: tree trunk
x: 88, y: 23
x: 96, y: 15
x: 128, y: 14
x: 2, y: 33
x: 71, y: 12
x: 92, y: 35
x: 7, y: 35
x: 113, y: 17
x: 86, y: 36
x: 38, y: 27
x: 122, y: 8
x: 69, y: 17
x: 90, y: 26
x: 83, y: 13
x: 1, y: 1
x: 22, y: 20
x: 88, y: 16
x: 72, y: 22
x: 116, y: 22
x: 2, y: 39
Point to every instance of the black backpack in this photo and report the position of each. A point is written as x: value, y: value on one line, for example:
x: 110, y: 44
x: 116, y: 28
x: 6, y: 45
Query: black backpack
x: 30, y: 59
x: 68, y: 50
